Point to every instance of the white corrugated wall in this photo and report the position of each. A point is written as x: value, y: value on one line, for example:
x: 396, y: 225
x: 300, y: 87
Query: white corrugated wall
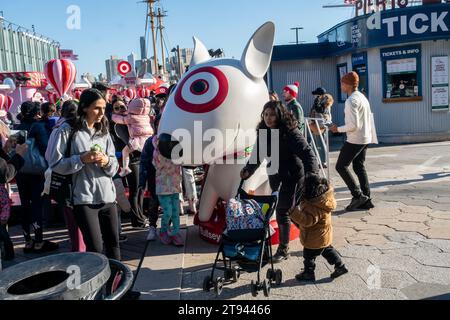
x: 394, y: 120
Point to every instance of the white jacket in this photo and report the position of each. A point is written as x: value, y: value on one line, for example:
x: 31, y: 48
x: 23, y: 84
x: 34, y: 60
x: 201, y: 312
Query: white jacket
x: 358, y: 125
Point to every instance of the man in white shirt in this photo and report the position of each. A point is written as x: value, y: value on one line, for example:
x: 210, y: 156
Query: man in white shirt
x: 359, y: 136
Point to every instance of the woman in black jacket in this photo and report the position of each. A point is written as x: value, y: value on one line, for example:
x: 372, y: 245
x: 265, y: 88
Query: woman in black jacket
x: 31, y: 185
x: 295, y: 160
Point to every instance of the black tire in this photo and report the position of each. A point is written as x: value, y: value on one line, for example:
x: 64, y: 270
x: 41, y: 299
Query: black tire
x: 218, y: 286
x: 266, y: 288
x: 270, y: 275
x: 278, y: 277
x: 207, y: 285
x: 229, y: 274
x: 254, y: 289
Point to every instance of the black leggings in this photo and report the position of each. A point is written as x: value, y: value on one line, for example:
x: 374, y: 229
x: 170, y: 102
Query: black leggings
x: 356, y: 154
x: 32, y: 204
x: 329, y: 253
x: 98, y: 224
x: 290, y: 195
x: 136, y: 198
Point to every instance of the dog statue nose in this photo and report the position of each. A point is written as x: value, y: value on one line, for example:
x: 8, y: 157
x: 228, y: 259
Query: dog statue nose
x: 167, y: 145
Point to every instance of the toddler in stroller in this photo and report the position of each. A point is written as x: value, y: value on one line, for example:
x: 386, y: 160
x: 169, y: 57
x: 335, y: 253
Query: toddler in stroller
x: 246, y: 244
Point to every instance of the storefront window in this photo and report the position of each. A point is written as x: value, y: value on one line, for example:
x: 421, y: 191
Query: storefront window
x: 359, y: 62
x: 342, y: 70
x: 401, y: 78
x: 402, y: 73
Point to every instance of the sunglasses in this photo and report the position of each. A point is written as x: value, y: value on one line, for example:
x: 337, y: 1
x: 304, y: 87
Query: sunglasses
x: 119, y: 108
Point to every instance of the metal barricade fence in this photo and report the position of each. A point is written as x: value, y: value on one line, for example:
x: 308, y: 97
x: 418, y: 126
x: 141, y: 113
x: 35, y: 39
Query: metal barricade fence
x: 324, y: 142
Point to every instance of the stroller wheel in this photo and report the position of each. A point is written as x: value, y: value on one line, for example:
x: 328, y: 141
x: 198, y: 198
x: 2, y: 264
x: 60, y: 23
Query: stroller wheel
x: 270, y: 275
x: 278, y: 277
x: 229, y: 275
x: 266, y: 288
x: 207, y: 284
x: 254, y: 289
x: 218, y: 286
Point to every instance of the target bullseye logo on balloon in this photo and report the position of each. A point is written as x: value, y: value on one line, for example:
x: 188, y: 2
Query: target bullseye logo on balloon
x: 204, y: 90
x: 124, y: 68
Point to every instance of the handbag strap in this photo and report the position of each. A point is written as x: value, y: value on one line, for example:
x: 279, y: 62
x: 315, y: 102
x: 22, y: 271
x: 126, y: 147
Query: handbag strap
x: 69, y: 143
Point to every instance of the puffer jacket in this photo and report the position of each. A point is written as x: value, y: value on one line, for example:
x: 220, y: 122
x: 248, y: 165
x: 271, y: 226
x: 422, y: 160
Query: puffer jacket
x: 138, y: 122
x: 314, y: 219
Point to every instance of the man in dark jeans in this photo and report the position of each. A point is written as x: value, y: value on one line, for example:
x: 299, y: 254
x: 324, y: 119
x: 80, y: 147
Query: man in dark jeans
x: 358, y: 128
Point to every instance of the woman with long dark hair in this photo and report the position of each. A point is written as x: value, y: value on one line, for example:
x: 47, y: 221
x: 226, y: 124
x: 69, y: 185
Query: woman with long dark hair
x: 295, y: 160
x: 92, y: 164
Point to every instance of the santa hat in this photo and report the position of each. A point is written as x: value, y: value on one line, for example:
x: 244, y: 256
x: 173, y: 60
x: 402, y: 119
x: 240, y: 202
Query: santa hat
x: 292, y: 89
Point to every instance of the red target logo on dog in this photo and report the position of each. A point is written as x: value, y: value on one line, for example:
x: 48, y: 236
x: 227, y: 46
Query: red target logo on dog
x: 124, y: 68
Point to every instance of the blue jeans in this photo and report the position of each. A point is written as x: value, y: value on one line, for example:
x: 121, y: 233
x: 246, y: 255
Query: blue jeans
x: 171, y: 208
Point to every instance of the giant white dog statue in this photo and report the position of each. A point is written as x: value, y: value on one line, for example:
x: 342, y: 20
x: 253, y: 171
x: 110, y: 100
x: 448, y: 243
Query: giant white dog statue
x: 223, y: 96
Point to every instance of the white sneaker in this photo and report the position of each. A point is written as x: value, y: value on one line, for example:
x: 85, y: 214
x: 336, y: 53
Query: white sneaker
x: 151, y: 234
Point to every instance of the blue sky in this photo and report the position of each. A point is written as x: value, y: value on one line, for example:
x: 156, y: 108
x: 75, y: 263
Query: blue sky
x: 113, y: 27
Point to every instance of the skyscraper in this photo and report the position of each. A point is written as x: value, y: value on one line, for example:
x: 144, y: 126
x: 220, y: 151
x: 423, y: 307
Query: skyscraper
x: 111, y: 67
x: 143, y: 49
x: 132, y: 59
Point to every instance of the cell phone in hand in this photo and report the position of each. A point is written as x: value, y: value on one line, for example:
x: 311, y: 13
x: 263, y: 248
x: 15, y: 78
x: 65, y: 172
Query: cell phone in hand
x: 20, y: 136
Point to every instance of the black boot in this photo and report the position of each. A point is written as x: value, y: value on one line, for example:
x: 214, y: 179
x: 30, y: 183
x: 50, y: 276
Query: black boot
x: 281, y: 254
x: 306, y: 276
x: 283, y: 249
x: 368, y: 205
x: 356, y: 203
x: 339, y: 271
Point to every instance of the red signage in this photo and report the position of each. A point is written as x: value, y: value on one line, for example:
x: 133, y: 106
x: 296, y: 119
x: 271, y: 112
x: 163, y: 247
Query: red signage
x: 124, y: 68
x: 67, y: 54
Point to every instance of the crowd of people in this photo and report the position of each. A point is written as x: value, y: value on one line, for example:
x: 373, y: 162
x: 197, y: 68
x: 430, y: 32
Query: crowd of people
x: 98, y: 145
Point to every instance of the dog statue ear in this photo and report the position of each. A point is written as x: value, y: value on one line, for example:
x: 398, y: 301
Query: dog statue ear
x: 200, y: 55
x: 258, y: 53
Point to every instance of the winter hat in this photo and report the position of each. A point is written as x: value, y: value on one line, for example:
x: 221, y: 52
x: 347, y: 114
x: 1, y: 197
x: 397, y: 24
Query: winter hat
x: 292, y: 89
x: 139, y: 107
x: 352, y: 79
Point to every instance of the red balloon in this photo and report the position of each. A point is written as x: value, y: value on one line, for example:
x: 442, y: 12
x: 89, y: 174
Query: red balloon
x: 61, y: 74
x: 144, y: 93
x: 3, y: 100
x: 130, y: 93
x: 9, y: 103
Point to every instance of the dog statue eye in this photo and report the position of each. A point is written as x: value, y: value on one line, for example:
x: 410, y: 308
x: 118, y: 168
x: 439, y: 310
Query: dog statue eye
x: 199, y: 87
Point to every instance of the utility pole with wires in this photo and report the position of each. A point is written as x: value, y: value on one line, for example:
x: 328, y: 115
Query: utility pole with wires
x: 160, y: 16
x: 151, y: 15
x: 296, y: 32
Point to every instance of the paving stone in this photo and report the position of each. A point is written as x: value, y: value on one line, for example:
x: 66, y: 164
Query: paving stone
x: 391, y: 261
x: 433, y: 259
x: 409, y: 217
x: 392, y: 279
x: 445, y: 215
x: 367, y: 240
x: 438, y: 233
x: 380, y: 294
x: 444, y: 245
x: 430, y: 274
x: 360, y: 252
x: 420, y: 291
x: 409, y: 226
x: 439, y: 223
